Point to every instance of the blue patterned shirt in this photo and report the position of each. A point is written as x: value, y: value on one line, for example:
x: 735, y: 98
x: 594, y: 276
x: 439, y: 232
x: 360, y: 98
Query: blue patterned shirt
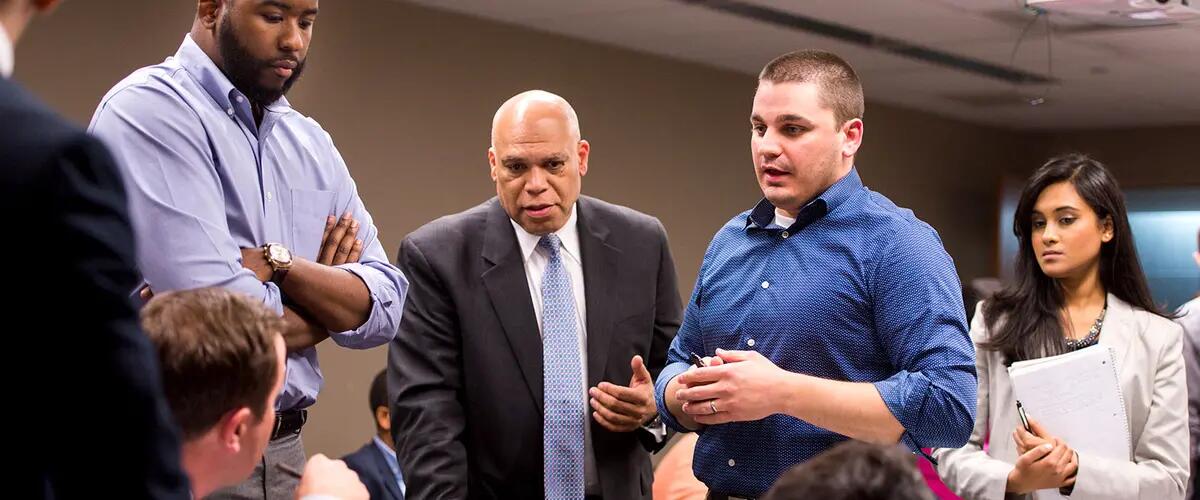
x: 857, y: 289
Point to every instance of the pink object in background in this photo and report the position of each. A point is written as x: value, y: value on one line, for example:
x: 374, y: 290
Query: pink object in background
x: 932, y: 479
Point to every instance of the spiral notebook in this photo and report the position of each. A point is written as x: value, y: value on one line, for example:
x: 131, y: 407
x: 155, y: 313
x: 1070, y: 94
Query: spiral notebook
x: 1077, y: 397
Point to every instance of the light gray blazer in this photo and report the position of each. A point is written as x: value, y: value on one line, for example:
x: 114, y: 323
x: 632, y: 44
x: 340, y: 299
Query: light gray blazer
x: 1149, y: 353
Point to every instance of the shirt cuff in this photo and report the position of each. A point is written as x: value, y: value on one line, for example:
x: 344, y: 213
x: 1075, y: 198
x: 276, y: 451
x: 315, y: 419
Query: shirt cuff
x: 656, y: 429
x: 273, y: 298
x: 904, y: 395
x: 667, y: 374
x: 387, y: 298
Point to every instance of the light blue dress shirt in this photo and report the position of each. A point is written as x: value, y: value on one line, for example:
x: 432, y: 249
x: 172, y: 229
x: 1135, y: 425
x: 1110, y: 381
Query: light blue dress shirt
x: 204, y: 180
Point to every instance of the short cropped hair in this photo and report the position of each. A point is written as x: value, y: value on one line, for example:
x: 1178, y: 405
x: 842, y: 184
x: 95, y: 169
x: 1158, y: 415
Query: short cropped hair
x: 216, y: 349
x: 839, y: 87
x: 379, y: 394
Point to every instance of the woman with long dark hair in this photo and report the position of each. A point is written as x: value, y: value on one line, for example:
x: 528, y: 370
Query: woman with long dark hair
x: 1078, y: 284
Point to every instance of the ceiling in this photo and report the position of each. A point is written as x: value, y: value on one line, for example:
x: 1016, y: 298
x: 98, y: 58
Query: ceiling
x: 1104, y: 77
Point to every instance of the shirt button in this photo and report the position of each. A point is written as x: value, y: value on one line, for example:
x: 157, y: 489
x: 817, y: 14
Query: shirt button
x: 238, y: 98
x: 785, y: 235
x: 750, y: 342
x: 766, y: 284
x: 229, y: 111
x: 732, y: 463
x: 269, y: 197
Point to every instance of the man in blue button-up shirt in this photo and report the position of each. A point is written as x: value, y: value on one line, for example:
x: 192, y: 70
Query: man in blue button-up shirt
x: 825, y: 312
x: 217, y: 165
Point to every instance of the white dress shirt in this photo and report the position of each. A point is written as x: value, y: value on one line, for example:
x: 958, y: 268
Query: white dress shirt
x: 536, y: 259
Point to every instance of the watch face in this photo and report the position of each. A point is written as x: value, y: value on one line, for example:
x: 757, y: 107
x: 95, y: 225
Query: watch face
x: 280, y: 254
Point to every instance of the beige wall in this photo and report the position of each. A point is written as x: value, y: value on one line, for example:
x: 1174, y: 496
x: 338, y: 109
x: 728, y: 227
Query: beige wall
x: 408, y: 95
x: 1149, y: 157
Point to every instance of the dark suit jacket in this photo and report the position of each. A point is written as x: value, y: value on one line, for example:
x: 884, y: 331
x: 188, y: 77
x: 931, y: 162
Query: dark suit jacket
x: 465, y: 369
x: 374, y: 472
x: 83, y: 381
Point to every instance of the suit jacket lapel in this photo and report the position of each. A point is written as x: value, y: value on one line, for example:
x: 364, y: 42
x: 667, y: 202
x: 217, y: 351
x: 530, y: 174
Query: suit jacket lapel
x: 508, y: 288
x: 1119, y: 329
x: 385, y: 471
x: 600, y: 275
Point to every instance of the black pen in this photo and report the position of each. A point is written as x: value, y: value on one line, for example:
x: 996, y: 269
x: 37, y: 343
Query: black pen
x: 1024, y: 419
x: 698, y: 361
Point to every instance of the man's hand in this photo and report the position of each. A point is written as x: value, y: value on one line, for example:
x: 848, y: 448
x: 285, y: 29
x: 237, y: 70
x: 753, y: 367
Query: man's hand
x: 323, y: 476
x: 624, y: 409
x: 744, y: 387
x: 675, y: 405
x: 335, y: 298
x: 340, y: 243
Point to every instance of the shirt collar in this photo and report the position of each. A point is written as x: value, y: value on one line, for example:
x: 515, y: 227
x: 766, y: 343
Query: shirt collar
x: 568, y: 234
x: 213, y: 80
x: 763, y: 214
x: 390, y: 456
x: 7, y: 56
x: 387, y: 452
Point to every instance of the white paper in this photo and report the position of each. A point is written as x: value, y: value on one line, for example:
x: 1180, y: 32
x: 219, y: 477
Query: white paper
x: 1076, y: 397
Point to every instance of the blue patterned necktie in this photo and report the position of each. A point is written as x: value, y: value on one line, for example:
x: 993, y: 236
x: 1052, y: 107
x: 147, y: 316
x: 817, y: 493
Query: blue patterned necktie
x: 562, y: 376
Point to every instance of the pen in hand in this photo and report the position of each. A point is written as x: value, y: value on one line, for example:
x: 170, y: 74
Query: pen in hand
x: 1024, y: 419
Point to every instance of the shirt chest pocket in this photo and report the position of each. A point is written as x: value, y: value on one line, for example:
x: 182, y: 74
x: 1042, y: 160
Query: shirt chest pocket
x: 310, y: 208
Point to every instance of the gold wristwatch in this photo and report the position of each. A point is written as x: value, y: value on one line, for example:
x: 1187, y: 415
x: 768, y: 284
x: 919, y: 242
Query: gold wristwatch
x: 280, y: 260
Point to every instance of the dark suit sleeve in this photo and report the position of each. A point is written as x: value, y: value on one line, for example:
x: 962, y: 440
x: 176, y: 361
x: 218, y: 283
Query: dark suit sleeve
x: 668, y: 311
x: 108, y: 369
x: 368, y: 474
x: 425, y: 384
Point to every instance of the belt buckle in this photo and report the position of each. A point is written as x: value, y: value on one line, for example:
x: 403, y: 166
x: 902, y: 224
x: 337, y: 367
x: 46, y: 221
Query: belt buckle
x: 278, y: 424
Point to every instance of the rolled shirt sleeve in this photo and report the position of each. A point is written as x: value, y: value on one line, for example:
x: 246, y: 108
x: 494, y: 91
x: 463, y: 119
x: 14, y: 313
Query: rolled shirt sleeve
x: 921, y: 322
x: 385, y: 283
